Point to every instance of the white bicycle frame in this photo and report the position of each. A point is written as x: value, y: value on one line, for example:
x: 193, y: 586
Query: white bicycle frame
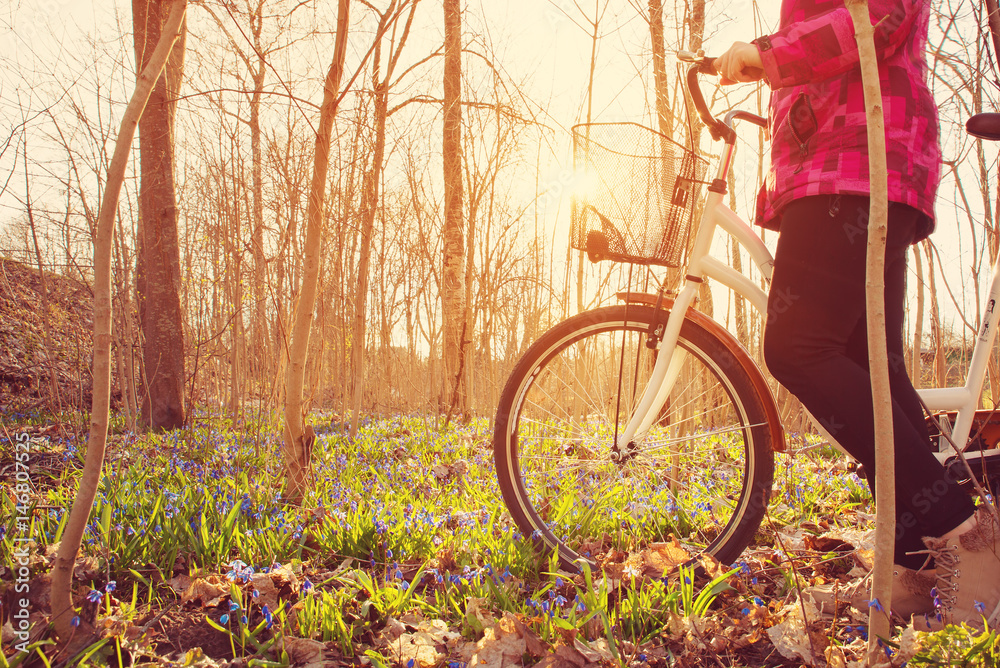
x: 702, y: 265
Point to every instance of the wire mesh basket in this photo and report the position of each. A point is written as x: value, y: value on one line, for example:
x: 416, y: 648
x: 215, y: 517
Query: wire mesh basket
x: 639, y: 197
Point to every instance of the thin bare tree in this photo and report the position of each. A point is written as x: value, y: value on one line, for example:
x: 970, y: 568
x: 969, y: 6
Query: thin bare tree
x: 298, y: 441
x: 370, y: 193
x: 453, y: 268
x: 885, y: 484
x: 62, y: 570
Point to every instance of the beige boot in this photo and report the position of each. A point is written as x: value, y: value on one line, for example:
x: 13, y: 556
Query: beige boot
x: 911, y: 591
x: 968, y: 576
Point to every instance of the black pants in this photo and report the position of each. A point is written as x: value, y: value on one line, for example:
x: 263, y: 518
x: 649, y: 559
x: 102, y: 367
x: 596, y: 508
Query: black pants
x: 815, y: 344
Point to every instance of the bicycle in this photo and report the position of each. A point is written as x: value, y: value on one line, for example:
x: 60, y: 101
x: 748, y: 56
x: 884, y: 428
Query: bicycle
x: 630, y: 426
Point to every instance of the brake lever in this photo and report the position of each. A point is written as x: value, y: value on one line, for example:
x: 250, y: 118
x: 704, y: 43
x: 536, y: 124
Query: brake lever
x: 706, y: 64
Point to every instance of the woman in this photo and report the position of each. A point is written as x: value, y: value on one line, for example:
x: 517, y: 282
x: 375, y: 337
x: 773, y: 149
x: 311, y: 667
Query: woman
x: 815, y: 341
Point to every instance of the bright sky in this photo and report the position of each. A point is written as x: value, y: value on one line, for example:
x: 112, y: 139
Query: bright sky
x: 544, y: 43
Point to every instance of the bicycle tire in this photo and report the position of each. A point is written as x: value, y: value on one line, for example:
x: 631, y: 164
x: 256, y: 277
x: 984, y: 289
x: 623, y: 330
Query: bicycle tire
x: 555, y: 426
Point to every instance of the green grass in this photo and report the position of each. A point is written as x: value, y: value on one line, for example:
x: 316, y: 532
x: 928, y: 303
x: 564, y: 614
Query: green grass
x: 404, y: 526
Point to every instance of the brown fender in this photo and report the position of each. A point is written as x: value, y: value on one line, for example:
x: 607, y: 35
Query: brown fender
x: 735, y: 348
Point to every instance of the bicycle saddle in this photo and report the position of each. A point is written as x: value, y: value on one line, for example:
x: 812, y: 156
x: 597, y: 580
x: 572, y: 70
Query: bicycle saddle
x: 984, y: 126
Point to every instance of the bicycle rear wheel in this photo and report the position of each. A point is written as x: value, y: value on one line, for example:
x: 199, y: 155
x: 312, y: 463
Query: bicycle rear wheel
x: 702, y: 474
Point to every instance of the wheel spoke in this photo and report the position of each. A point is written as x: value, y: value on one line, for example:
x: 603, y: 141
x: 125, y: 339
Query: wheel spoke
x: 690, y: 476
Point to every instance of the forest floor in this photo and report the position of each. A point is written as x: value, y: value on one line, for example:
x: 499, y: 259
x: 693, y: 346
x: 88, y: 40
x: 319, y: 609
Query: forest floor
x: 404, y: 555
x: 27, y: 369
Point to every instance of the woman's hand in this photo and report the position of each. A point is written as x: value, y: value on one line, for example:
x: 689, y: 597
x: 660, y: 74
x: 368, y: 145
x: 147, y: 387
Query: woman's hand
x: 740, y: 63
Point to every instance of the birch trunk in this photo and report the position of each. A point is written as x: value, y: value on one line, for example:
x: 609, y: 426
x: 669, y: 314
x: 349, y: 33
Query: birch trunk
x: 885, y: 483
x: 297, y: 447
x: 453, y: 270
x: 62, y: 571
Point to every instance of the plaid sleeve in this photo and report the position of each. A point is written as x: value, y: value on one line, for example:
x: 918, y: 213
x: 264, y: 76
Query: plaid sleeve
x: 823, y: 46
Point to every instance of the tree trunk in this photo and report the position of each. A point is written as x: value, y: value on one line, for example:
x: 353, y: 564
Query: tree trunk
x: 940, y: 371
x: 259, y: 357
x: 297, y: 448
x: 918, y: 323
x: 62, y: 571
x: 994, y: 21
x: 369, y: 204
x: 161, y: 320
x: 453, y: 270
x: 885, y: 484
x: 370, y: 193
x: 696, y: 39
x: 664, y: 116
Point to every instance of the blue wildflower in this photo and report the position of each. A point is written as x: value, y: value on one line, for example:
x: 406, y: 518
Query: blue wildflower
x: 111, y: 586
x: 306, y: 585
x: 267, y: 616
x: 233, y: 606
x: 224, y: 619
x: 94, y: 596
x: 875, y: 603
x: 980, y: 607
x: 75, y: 621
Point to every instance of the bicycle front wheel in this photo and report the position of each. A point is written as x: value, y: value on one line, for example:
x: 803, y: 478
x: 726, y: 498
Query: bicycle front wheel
x: 702, y: 473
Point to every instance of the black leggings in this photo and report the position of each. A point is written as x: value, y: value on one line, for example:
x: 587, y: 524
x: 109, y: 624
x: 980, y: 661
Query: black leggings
x: 815, y: 344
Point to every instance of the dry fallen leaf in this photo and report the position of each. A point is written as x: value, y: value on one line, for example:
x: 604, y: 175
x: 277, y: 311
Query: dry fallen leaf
x: 663, y: 558
x: 835, y: 657
x: 179, y: 583
x: 475, y: 616
x: 790, y: 637
x: 304, y: 650
x: 284, y: 576
x: 426, y: 646
x: 497, y: 649
x: 267, y: 591
x: 209, y: 591
x: 534, y: 645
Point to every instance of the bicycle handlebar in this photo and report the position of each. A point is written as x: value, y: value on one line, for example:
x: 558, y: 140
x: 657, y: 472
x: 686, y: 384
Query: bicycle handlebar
x: 718, y: 129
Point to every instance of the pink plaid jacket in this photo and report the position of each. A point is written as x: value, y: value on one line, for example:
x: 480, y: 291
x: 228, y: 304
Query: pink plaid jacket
x: 819, y: 141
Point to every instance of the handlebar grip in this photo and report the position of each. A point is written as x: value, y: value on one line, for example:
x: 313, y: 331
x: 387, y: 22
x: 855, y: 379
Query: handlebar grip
x: 707, y: 66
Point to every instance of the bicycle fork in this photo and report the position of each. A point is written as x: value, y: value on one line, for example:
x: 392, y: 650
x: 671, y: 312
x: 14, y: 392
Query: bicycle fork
x: 664, y: 374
